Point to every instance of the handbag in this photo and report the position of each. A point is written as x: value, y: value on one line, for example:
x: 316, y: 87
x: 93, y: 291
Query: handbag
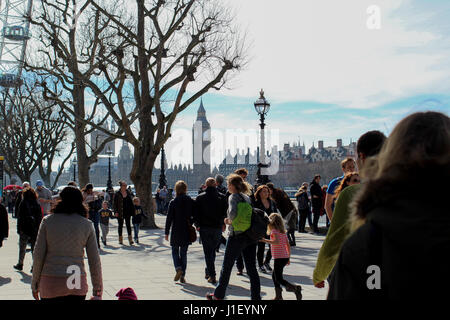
x: 192, y: 232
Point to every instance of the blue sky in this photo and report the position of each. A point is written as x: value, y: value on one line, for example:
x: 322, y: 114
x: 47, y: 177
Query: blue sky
x: 326, y: 75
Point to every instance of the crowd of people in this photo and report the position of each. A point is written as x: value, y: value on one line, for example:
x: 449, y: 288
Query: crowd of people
x: 377, y: 218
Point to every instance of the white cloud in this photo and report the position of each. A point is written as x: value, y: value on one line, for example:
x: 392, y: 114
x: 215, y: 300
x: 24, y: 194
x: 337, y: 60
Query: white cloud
x: 323, y: 51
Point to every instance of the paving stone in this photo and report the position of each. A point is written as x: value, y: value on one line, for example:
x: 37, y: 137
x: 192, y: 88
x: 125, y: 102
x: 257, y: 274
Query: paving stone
x: 148, y: 268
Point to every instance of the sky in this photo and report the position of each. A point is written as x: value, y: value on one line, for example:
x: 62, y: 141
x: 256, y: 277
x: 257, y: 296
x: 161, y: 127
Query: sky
x: 330, y: 70
x: 327, y: 73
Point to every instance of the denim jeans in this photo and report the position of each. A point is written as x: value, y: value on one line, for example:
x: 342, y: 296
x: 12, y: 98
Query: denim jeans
x: 179, y: 256
x: 210, y: 240
x: 235, y: 246
x: 136, y: 228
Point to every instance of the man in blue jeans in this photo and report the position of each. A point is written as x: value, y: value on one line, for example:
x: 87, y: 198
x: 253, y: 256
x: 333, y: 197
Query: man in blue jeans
x: 236, y: 245
x: 210, y: 212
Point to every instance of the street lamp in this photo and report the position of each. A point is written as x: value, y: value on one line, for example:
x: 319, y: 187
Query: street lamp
x: 262, y: 107
x: 162, y: 175
x: 74, y: 161
x: 109, y: 186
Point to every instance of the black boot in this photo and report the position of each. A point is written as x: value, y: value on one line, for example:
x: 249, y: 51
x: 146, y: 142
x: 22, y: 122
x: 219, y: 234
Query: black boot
x: 18, y: 267
x: 278, y: 294
x: 296, y: 289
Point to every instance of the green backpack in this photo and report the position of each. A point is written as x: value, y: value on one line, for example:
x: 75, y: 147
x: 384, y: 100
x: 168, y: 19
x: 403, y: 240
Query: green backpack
x: 243, y: 219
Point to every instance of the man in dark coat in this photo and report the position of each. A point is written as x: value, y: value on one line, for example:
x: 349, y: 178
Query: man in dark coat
x: 210, y: 212
x: 316, y: 201
x: 219, y: 184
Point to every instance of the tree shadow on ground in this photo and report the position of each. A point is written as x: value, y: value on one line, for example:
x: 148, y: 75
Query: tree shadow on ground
x: 4, y: 281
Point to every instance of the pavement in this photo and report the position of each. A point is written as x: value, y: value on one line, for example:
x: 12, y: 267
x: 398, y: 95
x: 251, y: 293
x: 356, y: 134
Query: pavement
x: 147, y: 267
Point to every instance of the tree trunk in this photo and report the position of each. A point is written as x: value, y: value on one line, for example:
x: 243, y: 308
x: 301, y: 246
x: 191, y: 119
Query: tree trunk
x: 141, y: 175
x: 83, y: 169
x: 46, y: 179
x: 80, y: 137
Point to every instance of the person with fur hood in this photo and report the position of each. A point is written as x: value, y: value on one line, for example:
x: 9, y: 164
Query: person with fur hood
x: 400, y: 239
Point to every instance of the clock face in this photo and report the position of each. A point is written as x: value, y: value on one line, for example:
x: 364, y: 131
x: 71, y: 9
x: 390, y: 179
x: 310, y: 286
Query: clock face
x: 207, y: 135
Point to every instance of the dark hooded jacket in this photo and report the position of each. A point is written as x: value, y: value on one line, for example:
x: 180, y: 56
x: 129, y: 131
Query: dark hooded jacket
x: 406, y: 234
x: 29, y: 218
x: 210, y: 209
x: 179, y: 217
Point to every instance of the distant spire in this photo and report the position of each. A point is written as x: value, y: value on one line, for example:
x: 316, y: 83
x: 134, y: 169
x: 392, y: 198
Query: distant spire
x: 201, y: 113
x: 201, y: 109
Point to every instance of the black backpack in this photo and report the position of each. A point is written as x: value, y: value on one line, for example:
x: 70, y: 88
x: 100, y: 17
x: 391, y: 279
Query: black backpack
x: 259, y: 223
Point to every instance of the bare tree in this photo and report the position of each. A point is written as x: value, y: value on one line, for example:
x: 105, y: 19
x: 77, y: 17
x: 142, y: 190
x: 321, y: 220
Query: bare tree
x: 175, y: 46
x: 139, y: 69
x: 70, y: 32
x: 33, y: 135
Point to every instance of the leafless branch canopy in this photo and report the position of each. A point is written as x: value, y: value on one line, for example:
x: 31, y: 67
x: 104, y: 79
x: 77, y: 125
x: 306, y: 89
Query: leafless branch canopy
x: 33, y: 136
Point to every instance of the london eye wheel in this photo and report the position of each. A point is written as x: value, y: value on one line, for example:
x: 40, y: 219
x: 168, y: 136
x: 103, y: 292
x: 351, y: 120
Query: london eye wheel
x: 14, y: 35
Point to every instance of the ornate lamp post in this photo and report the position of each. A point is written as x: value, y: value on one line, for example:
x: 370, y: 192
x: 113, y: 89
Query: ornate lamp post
x: 162, y: 175
x: 74, y: 169
x: 262, y: 107
x: 109, y: 186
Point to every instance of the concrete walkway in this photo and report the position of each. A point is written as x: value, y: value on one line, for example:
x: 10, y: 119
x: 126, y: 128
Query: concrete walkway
x: 147, y: 268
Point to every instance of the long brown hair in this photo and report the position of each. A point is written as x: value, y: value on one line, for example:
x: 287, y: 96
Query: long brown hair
x: 258, y: 192
x: 417, y: 149
x: 344, y: 183
x: 237, y: 182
